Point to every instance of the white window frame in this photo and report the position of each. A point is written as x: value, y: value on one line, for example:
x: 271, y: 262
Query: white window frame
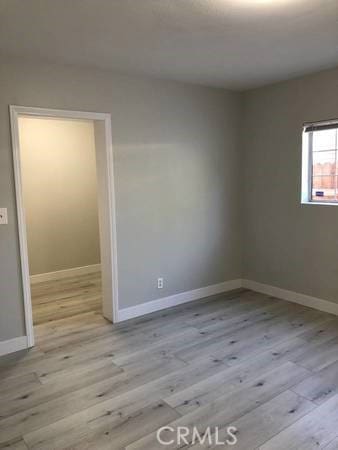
x: 306, y: 192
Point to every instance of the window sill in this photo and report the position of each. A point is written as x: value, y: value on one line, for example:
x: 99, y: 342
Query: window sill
x: 319, y: 203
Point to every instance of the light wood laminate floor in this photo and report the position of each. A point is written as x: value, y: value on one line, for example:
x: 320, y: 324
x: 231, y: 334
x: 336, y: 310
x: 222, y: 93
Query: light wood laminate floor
x: 265, y: 366
x: 58, y: 299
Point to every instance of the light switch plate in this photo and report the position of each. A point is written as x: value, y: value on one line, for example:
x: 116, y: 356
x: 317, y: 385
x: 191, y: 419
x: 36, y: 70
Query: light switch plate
x: 3, y: 216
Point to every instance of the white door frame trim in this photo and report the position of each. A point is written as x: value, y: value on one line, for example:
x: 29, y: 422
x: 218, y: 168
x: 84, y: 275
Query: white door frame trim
x: 109, y: 236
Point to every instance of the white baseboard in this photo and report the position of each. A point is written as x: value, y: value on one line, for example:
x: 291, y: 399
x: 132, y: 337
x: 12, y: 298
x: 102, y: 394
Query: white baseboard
x: 20, y: 343
x: 13, y: 345
x: 177, y: 299
x: 60, y: 274
x: 184, y: 297
x: 291, y: 296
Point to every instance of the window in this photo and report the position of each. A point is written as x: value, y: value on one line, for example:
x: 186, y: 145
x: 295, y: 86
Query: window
x: 320, y: 162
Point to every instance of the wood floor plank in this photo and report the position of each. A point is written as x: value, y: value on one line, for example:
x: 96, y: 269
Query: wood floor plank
x: 230, y: 378
x: 268, y: 419
x: 67, y: 297
x: 264, y: 422
x: 66, y: 404
x: 100, y: 348
x: 321, y: 334
x: 235, y: 320
x: 321, y: 386
x: 128, y: 397
x: 325, y: 354
x: 229, y: 407
x: 256, y: 336
x: 18, y: 383
x: 315, y: 430
x: 15, y: 445
x: 114, y: 435
x: 15, y: 402
x: 275, y: 333
x: 333, y: 445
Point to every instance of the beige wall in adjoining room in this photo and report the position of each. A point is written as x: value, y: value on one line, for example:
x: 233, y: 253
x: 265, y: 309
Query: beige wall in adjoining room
x: 59, y: 192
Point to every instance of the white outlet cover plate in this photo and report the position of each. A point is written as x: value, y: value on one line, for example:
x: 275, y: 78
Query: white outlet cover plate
x: 3, y: 216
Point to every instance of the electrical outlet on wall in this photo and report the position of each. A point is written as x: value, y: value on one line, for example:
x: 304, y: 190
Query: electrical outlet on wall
x: 159, y: 283
x: 3, y: 216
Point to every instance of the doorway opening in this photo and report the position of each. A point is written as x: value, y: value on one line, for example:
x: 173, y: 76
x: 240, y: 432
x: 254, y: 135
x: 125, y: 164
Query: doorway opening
x: 63, y: 166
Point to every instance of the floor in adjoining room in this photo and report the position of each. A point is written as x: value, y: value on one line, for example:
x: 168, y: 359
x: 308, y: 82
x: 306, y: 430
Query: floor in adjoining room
x: 265, y: 366
x: 66, y: 297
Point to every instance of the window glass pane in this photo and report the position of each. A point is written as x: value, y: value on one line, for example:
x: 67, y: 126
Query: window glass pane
x: 324, y: 163
x: 324, y: 140
x: 324, y: 188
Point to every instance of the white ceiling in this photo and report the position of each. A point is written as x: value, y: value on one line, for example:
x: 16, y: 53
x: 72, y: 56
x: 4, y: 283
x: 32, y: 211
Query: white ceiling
x: 237, y: 44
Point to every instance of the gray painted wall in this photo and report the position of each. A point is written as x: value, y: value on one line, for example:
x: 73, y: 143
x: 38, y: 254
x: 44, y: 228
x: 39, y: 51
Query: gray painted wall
x: 176, y: 173
x: 287, y: 244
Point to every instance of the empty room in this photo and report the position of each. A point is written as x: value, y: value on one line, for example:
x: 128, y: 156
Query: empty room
x: 168, y: 224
